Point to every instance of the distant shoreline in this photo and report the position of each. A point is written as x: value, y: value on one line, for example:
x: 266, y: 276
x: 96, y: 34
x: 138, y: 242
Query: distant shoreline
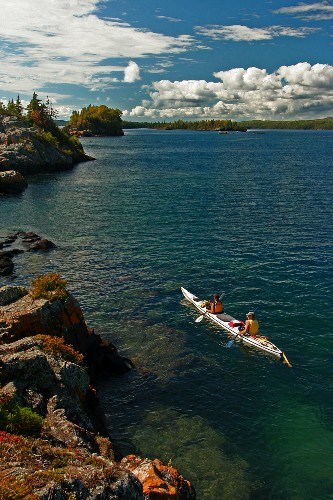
x: 229, y: 126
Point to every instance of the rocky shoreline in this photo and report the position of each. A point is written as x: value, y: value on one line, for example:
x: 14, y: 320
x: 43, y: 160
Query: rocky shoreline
x: 27, y: 150
x: 49, y: 361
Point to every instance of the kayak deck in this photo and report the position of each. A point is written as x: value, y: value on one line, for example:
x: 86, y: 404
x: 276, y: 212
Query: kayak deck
x: 230, y: 324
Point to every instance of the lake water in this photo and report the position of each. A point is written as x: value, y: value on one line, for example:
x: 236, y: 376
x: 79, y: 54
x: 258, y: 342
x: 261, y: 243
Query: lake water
x: 247, y: 215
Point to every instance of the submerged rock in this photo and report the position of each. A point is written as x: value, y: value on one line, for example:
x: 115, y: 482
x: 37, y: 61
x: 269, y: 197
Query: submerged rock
x: 30, y: 241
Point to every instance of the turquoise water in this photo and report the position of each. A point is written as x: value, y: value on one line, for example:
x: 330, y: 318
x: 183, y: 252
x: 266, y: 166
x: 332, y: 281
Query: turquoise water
x: 246, y: 215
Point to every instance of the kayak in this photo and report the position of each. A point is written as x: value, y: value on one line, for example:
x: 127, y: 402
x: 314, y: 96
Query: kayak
x: 231, y: 325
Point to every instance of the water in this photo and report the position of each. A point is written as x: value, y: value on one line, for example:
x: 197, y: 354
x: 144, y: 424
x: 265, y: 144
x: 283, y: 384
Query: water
x: 246, y: 215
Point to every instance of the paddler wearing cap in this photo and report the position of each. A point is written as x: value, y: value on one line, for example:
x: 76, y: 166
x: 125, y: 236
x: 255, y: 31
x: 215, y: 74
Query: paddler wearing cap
x: 251, y: 325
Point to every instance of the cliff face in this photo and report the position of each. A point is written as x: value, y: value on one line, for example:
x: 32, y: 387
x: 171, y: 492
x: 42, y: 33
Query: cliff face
x: 27, y: 150
x: 60, y: 318
x: 56, y: 449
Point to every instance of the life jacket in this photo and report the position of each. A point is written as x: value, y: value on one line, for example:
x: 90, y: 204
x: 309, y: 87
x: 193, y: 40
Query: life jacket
x: 254, y: 327
x: 218, y: 306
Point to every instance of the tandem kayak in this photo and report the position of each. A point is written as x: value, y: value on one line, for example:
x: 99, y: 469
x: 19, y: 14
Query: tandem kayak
x: 231, y: 325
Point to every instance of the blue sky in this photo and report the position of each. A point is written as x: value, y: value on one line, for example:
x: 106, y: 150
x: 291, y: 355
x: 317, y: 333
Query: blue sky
x: 165, y: 60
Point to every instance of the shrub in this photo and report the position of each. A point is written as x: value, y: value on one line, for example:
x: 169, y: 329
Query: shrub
x: 48, y: 138
x: 19, y: 419
x: 49, y: 286
x: 14, y: 489
x: 56, y: 346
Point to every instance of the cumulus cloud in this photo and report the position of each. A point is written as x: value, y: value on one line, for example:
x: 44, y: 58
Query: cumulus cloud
x: 69, y: 42
x: 316, y: 11
x: 132, y: 72
x: 240, y: 33
x: 296, y: 91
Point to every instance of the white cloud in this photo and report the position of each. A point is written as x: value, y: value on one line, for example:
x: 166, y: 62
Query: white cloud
x: 240, y: 33
x: 132, y: 72
x: 171, y: 19
x: 312, y: 11
x: 296, y: 91
x: 65, y: 41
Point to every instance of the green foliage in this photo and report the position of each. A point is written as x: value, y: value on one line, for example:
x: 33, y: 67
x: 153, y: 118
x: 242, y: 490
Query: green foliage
x: 57, y: 347
x: 101, y: 120
x: 19, y: 419
x: 49, y: 286
x: 189, y: 125
x: 228, y: 125
x: 319, y: 124
x: 48, y: 138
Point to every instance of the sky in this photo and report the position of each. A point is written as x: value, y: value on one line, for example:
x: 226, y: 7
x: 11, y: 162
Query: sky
x: 163, y: 60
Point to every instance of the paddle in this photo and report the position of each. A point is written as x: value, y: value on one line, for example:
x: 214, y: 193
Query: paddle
x: 200, y: 318
x: 229, y: 344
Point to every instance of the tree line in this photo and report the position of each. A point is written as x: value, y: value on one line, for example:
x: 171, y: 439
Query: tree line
x: 228, y: 125
x: 223, y: 125
x: 38, y: 113
x: 96, y: 120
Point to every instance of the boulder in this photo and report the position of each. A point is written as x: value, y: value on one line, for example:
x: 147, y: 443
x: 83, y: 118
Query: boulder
x: 42, y: 244
x: 159, y: 480
x: 10, y: 294
x: 6, y: 264
x: 12, y: 182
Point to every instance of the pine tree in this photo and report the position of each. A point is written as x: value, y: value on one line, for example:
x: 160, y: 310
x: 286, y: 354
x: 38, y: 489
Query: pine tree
x: 19, y: 106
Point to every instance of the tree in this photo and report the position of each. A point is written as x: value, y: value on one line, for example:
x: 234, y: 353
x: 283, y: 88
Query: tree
x: 40, y: 114
x: 100, y: 120
x: 19, y: 106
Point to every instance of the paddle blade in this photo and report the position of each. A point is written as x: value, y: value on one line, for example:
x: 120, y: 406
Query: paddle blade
x: 199, y: 318
x: 229, y: 344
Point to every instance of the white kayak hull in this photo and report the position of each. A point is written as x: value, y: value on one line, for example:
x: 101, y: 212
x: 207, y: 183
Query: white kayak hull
x: 224, y: 320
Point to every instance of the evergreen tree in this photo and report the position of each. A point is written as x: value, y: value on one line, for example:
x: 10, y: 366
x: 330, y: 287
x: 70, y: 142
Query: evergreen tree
x: 11, y: 107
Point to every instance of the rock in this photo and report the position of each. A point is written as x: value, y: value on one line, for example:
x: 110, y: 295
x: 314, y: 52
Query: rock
x: 28, y: 237
x: 30, y: 241
x: 69, y: 459
x: 6, y: 264
x: 28, y: 150
x: 159, y: 480
x: 12, y: 182
x: 26, y: 317
x: 10, y: 294
x: 41, y: 244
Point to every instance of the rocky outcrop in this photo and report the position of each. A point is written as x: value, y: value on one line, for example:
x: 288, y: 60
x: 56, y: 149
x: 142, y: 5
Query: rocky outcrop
x: 61, y: 318
x: 42, y: 374
x: 12, y: 182
x: 28, y: 150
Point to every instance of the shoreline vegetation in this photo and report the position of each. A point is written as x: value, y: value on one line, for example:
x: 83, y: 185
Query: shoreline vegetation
x: 229, y: 126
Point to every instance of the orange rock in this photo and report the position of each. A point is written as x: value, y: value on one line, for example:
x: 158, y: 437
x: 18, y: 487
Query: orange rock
x: 159, y: 481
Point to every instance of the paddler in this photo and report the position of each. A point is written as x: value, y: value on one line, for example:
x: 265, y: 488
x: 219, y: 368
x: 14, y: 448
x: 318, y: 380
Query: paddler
x: 251, y: 325
x: 216, y: 305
